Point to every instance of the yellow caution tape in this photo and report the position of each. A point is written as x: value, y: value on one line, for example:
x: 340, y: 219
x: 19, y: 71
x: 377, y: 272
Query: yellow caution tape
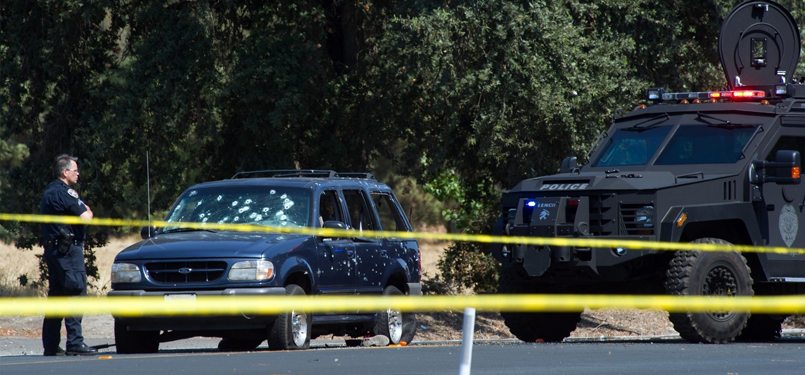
x: 457, y: 237
x: 272, y: 305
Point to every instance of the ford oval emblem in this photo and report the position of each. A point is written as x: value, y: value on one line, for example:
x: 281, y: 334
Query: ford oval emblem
x: 185, y: 270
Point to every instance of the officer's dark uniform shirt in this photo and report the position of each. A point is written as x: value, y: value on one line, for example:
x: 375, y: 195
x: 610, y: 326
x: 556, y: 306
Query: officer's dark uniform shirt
x: 60, y: 199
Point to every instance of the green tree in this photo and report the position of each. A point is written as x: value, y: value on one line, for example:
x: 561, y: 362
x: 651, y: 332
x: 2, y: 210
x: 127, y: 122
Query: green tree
x: 51, y: 54
x: 491, y: 92
x: 161, y: 95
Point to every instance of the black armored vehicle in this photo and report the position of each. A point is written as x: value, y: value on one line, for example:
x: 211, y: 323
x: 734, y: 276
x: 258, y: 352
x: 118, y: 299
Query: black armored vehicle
x: 716, y: 167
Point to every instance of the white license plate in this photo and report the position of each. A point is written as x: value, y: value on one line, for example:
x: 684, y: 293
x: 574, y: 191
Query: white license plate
x: 180, y: 297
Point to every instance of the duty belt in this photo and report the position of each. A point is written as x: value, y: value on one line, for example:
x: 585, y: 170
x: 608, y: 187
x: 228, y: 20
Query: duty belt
x: 55, y: 242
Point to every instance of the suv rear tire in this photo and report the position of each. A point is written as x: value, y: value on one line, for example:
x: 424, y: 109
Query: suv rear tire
x: 696, y: 273
x: 291, y: 330
x: 398, y: 326
x: 231, y: 344
x: 131, y: 342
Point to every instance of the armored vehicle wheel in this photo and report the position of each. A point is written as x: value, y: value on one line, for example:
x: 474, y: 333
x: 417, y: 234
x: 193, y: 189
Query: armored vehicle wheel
x: 709, y: 273
x: 532, y: 327
x: 290, y: 330
x: 233, y: 344
x: 129, y: 342
x: 763, y: 327
x: 396, y: 325
x: 547, y: 327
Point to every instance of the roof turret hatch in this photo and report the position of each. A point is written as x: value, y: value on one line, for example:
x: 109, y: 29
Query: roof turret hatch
x: 759, y: 45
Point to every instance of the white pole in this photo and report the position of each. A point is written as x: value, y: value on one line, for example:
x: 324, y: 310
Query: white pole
x: 466, y: 341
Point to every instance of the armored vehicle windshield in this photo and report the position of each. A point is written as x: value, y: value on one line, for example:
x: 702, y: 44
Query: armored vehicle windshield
x: 632, y: 146
x: 689, y: 143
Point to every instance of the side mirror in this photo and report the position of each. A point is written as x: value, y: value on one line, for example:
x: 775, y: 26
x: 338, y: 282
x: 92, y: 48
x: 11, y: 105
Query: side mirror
x: 569, y: 165
x: 783, y: 170
x: 147, y: 232
x: 334, y: 224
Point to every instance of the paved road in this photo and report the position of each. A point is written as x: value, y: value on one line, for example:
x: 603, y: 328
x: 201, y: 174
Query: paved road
x: 656, y: 356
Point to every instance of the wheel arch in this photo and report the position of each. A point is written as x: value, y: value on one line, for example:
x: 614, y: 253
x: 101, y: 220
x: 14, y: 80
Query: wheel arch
x: 397, y: 274
x: 732, y: 230
x: 297, y: 271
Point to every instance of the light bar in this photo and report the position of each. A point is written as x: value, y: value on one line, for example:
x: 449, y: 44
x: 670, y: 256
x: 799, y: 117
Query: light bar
x: 685, y: 95
x: 753, y: 94
x: 696, y: 97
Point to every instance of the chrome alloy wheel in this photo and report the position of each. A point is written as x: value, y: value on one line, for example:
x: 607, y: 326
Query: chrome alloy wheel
x: 299, y: 328
x: 395, y: 319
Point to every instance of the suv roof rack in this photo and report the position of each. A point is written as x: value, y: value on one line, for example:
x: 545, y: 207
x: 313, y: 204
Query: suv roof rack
x: 320, y: 173
x: 365, y: 175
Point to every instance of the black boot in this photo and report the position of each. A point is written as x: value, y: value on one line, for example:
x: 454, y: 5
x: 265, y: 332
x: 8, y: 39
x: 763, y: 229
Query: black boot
x: 82, y: 349
x: 52, y: 353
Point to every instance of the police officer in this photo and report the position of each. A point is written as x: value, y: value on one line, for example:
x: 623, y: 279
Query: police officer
x: 64, y: 255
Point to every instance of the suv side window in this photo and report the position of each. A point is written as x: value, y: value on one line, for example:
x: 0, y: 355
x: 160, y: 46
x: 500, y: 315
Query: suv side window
x: 329, y: 209
x: 390, y: 216
x: 359, y: 213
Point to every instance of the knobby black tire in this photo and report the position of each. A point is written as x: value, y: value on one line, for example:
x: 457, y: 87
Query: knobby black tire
x: 709, y: 273
x: 132, y: 342
x: 385, y: 319
x: 537, y: 326
x: 281, y: 333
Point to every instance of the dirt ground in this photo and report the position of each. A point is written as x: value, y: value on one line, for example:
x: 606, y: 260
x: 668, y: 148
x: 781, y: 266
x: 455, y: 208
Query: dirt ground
x: 431, y: 327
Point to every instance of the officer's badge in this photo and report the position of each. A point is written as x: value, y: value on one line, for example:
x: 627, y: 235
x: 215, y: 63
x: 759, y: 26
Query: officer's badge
x: 72, y: 193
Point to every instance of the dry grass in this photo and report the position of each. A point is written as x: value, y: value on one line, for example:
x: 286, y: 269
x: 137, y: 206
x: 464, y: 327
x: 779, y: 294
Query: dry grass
x: 430, y: 252
x: 15, y: 263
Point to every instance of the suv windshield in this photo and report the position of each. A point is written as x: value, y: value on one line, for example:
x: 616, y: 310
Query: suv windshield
x: 632, y: 146
x: 262, y: 205
x: 696, y: 144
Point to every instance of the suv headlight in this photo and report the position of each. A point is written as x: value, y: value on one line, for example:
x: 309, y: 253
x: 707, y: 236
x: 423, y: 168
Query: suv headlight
x: 252, y: 270
x: 644, y: 217
x: 126, y: 273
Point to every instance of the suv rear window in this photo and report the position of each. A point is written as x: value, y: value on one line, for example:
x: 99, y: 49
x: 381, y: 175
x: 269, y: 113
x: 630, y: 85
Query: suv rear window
x: 261, y: 205
x: 359, y: 214
x: 390, y: 216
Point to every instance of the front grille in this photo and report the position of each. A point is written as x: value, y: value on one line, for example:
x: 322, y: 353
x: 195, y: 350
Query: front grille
x: 628, y: 218
x: 185, y: 272
x: 602, y: 215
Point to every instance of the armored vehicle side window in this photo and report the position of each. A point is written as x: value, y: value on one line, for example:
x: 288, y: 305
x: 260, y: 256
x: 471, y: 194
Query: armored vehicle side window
x: 262, y: 205
x: 632, y: 146
x: 696, y: 144
x: 788, y: 143
x: 329, y: 209
x: 390, y: 216
x: 359, y: 213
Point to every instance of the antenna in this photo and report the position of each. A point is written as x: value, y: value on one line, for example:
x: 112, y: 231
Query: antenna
x: 148, y: 187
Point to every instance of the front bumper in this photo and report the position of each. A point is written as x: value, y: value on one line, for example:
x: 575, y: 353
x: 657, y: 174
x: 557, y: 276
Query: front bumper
x: 541, y: 260
x: 270, y: 291
x: 199, y: 323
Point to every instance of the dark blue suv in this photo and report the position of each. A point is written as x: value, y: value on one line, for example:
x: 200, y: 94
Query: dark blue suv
x: 177, y: 262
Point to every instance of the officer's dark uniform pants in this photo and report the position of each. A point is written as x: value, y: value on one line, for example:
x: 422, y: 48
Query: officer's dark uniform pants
x: 67, y: 276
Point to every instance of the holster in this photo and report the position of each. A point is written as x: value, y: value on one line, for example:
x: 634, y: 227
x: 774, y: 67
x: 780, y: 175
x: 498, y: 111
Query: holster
x: 65, y: 240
